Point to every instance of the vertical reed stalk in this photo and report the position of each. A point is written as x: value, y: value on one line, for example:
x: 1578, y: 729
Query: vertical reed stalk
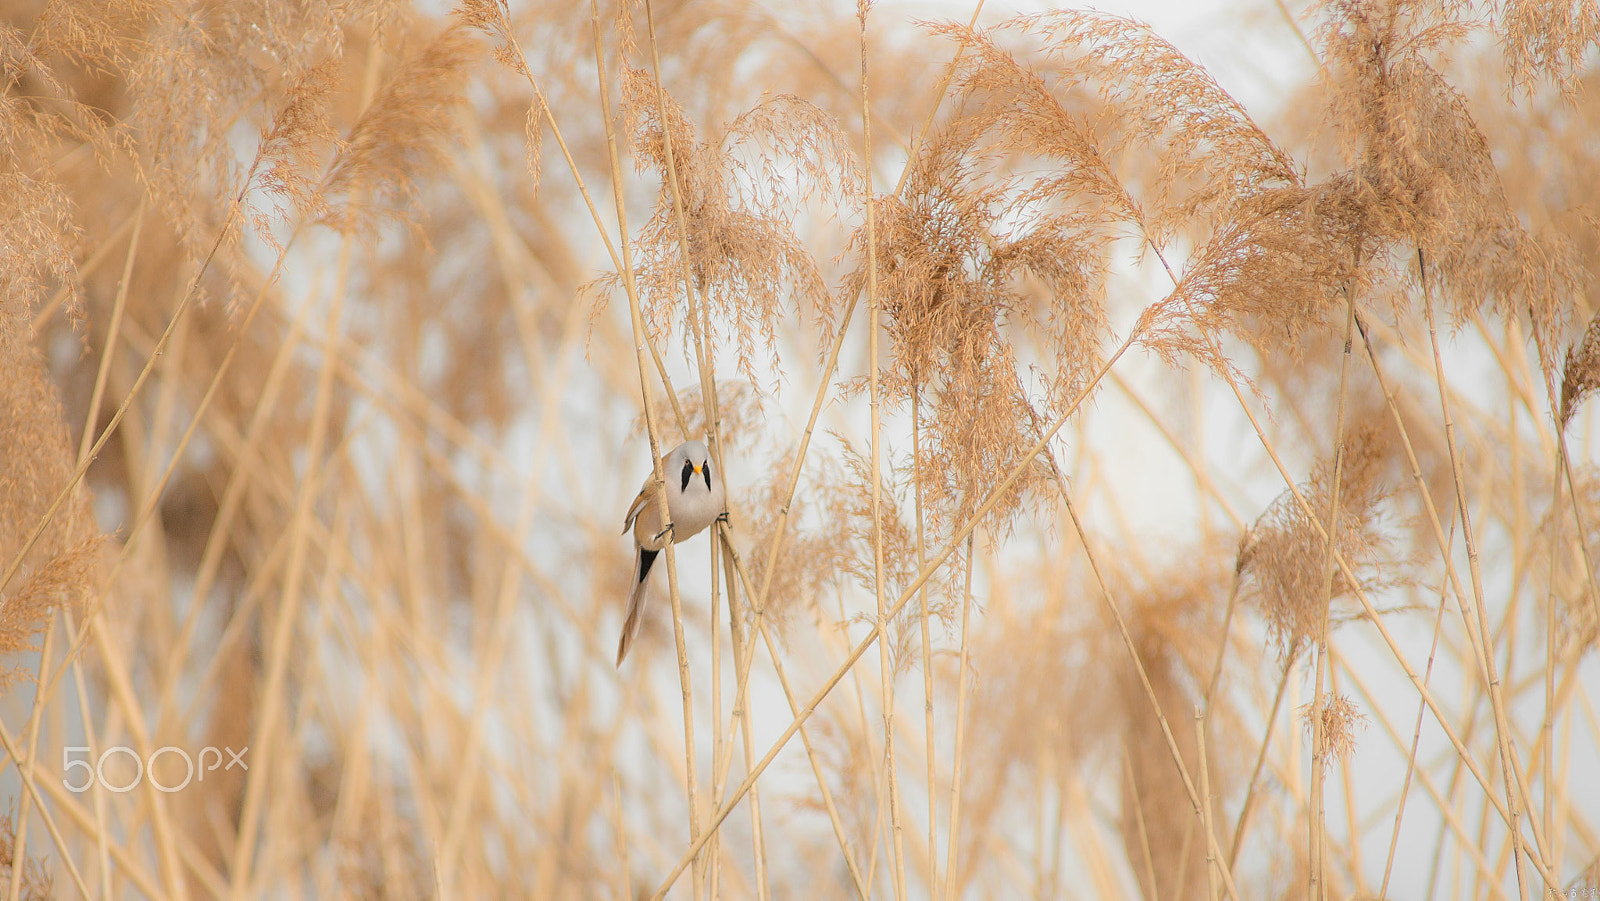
x: 646, y: 397
x: 886, y: 666
x: 1319, y: 751
x: 1486, y: 640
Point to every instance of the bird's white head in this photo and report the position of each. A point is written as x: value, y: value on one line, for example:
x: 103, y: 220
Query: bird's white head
x: 688, y: 468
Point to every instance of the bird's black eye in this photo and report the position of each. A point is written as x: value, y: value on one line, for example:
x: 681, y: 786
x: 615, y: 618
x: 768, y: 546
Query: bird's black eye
x: 706, y: 471
x: 688, y: 471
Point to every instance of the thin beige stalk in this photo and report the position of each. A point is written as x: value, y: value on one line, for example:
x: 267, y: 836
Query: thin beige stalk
x: 135, y: 224
x: 864, y: 738
x: 1361, y: 595
x: 96, y: 790
x: 1041, y: 837
x: 953, y: 839
x: 824, y: 382
x: 1144, y: 681
x: 1563, y: 799
x: 548, y: 115
x: 127, y: 402
x: 1565, y: 458
x: 290, y: 598
x: 1317, y: 819
x: 1202, y: 478
x: 355, y: 783
x: 153, y: 496
x: 1222, y: 649
x: 1563, y: 473
x: 1148, y: 876
x: 620, y: 827
x: 747, y: 740
x: 1213, y: 853
x: 233, y: 494
x: 147, y: 485
x: 1203, y: 729
x: 700, y: 328
x: 1352, y: 844
x: 289, y: 602
x: 1184, y: 847
x: 927, y: 651
x: 1374, y: 617
x: 735, y: 565
x: 89, y: 266
x: 1416, y: 731
x: 1496, y: 699
x: 1261, y: 758
x: 280, y: 841
x: 25, y: 770
x: 696, y: 836
x: 1213, y: 861
x: 1299, y: 33
x: 491, y: 658
x: 886, y: 665
x: 94, y: 626
x: 113, y: 334
x: 1472, y: 844
x: 966, y: 529
x: 1547, y: 725
x: 62, y: 800
x: 30, y: 739
x: 717, y: 742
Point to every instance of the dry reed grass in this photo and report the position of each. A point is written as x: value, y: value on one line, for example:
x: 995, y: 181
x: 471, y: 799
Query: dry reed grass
x: 325, y: 364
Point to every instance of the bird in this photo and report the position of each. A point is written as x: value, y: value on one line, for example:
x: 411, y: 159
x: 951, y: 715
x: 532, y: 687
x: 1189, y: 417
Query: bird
x: 695, y: 499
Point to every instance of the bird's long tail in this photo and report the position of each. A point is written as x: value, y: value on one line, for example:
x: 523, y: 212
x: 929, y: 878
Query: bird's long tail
x: 630, y: 627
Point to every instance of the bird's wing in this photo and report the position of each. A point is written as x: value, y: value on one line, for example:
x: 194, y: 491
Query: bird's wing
x: 644, y: 497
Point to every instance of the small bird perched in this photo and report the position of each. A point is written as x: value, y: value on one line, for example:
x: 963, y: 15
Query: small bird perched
x: 695, y: 499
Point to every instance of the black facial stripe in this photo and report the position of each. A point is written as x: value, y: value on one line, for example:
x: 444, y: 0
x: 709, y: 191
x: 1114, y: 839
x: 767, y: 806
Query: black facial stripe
x: 706, y: 471
x: 688, y: 471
